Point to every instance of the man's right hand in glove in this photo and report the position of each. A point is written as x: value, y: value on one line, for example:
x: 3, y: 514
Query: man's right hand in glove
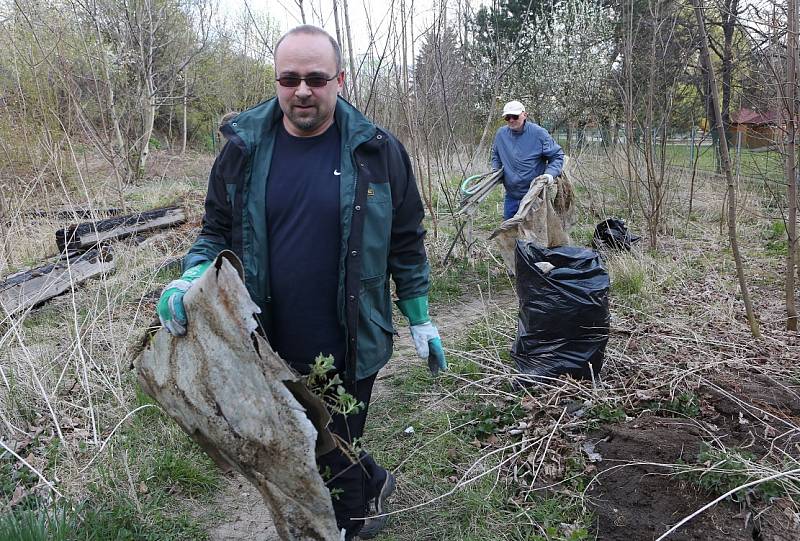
x: 170, y: 306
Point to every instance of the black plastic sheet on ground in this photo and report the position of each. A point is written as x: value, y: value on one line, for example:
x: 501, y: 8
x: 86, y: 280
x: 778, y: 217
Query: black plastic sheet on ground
x: 613, y: 233
x: 563, y: 314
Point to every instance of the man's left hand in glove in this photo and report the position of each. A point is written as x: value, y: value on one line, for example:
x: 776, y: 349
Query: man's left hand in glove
x: 425, y: 335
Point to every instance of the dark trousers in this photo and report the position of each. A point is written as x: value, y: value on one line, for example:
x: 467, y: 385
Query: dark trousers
x: 353, y: 480
x: 510, y: 207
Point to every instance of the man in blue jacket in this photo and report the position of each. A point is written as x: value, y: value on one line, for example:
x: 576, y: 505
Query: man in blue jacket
x: 322, y: 208
x: 525, y: 151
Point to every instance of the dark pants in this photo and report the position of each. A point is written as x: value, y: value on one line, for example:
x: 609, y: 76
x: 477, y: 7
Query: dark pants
x: 510, y: 207
x: 353, y: 480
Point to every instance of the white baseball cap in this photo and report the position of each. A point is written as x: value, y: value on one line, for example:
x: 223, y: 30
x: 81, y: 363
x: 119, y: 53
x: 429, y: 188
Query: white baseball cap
x: 513, y: 108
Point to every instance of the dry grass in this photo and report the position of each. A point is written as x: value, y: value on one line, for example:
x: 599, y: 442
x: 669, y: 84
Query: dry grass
x: 69, y: 405
x: 679, y: 346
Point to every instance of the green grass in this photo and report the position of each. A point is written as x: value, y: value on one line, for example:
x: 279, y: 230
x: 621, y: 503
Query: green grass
x: 430, y: 462
x: 38, y: 524
x: 776, y: 242
x: 149, y: 469
x: 452, y: 441
x: 751, y: 163
x: 461, y: 277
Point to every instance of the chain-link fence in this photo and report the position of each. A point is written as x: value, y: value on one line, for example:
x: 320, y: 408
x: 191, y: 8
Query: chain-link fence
x: 752, y: 154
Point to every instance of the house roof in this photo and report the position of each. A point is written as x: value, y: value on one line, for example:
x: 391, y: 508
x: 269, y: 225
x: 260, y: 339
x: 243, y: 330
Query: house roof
x: 748, y: 116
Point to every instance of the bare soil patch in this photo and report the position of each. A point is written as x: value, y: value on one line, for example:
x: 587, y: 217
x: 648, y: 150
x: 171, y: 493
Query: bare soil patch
x: 638, y: 493
x: 637, y: 499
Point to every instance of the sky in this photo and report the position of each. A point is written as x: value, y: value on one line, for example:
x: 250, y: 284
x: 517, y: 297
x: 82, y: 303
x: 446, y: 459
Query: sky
x: 364, y: 14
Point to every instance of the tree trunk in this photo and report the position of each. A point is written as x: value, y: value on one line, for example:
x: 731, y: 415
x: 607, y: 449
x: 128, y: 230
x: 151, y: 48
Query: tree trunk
x: 790, y: 97
x: 353, y: 79
x: 726, y: 166
x: 149, y: 115
x: 729, y: 22
x: 185, y: 111
x: 339, y: 40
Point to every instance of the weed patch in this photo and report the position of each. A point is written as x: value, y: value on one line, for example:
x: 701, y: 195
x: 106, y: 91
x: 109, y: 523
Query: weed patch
x: 686, y: 404
x: 721, y: 470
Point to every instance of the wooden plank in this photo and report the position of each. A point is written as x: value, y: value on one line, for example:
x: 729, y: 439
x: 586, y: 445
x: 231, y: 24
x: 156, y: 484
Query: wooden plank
x: 29, y: 288
x: 85, y: 235
x: 73, y: 213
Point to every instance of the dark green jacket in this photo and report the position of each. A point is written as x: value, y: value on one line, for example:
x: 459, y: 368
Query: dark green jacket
x: 380, y: 214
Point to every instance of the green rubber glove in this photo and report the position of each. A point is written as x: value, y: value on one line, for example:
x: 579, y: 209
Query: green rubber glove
x: 426, y: 337
x: 170, y: 307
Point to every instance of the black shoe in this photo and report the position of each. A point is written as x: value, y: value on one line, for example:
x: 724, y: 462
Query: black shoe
x: 377, y: 506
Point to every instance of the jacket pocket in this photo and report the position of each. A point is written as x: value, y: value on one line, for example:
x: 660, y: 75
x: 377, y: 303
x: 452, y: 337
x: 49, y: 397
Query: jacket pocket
x: 375, y: 327
x: 377, y: 230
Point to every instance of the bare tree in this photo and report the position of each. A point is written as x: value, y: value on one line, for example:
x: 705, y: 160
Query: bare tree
x: 790, y: 106
x: 726, y: 167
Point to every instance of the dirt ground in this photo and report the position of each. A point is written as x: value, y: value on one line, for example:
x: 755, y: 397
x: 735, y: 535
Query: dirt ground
x: 636, y: 499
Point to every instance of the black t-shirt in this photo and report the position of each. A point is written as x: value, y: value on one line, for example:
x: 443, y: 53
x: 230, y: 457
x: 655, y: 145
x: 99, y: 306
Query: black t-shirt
x: 303, y: 235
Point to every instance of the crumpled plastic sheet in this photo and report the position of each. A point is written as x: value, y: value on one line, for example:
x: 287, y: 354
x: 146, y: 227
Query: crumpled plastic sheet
x: 538, y: 220
x: 227, y: 389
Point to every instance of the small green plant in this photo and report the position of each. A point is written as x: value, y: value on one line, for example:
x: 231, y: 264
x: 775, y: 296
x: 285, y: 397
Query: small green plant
x: 685, y: 404
x: 490, y: 419
x: 328, y: 386
x: 604, y: 413
x: 777, y: 243
x: 38, y: 524
x: 721, y: 470
x: 562, y: 517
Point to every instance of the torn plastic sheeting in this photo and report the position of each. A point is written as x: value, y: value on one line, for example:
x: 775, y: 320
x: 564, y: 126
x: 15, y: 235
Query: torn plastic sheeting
x: 536, y: 220
x: 227, y: 389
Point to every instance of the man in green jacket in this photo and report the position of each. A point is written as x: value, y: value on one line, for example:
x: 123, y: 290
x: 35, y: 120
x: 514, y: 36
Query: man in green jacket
x: 322, y: 208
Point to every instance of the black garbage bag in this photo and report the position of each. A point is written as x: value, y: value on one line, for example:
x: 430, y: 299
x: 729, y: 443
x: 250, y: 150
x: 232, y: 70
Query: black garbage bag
x: 613, y: 233
x: 563, y: 313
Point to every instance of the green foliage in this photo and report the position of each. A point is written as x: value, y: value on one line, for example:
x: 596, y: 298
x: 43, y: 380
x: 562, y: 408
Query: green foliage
x: 461, y: 277
x: 189, y: 469
x: 562, y: 517
x: 434, y: 458
x: 14, y: 474
x: 489, y: 419
x: 38, y: 524
x: 722, y: 470
x: 776, y: 240
x: 629, y: 280
x: 603, y: 413
x: 328, y: 386
x: 686, y: 404
x: 117, y: 517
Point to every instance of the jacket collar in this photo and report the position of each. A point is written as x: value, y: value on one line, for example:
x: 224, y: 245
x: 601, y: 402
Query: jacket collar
x: 248, y: 128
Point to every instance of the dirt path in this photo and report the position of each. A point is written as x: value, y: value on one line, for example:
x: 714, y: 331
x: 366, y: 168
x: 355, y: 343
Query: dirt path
x: 242, y: 513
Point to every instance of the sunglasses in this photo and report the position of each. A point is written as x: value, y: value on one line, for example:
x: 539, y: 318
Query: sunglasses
x: 511, y: 117
x: 314, y: 81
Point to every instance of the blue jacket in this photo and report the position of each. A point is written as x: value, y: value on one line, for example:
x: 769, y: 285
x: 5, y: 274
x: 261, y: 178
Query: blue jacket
x: 524, y: 156
x: 380, y: 222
